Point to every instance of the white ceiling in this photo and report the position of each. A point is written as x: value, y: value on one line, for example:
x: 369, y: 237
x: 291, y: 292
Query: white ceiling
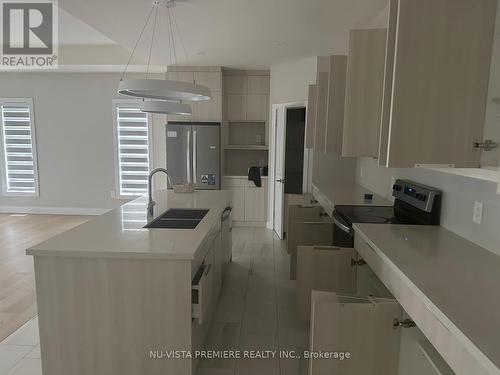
x: 232, y: 33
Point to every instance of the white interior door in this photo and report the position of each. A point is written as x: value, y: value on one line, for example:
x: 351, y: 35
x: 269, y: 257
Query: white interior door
x: 279, y: 167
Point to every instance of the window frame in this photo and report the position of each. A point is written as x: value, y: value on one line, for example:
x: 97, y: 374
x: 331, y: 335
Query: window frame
x: 116, y: 157
x: 4, y: 170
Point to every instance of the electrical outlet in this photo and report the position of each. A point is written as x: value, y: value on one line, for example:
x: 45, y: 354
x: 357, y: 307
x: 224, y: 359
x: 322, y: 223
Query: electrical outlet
x: 361, y: 172
x: 112, y: 194
x: 478, y: 213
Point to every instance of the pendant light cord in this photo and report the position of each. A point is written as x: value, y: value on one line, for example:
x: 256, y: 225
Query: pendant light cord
x: 170, y: 25
x: 180, y: 37
x: 137, y: 42
x: 152, y: 41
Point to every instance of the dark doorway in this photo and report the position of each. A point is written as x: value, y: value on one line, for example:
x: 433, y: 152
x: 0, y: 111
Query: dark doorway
x: 294, y: 150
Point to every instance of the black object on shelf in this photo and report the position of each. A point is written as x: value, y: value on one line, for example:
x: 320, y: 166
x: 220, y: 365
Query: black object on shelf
x: 254, y: 175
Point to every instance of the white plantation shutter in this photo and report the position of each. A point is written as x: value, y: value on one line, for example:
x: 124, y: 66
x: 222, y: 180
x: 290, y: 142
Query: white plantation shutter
x: 18, y: 147
x: 133, y: 149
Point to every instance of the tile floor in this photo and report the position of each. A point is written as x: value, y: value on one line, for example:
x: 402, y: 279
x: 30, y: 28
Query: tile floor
x: 256, y: 311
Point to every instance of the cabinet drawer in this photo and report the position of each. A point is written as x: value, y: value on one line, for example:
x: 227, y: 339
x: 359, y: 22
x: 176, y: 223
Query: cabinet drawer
x: 319, y: 233
x: 361, y: 326
x: 201, y: 292
x: 323, y: 201
x: 324, y: 268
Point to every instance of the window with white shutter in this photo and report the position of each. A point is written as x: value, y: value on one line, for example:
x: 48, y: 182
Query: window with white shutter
x: 133, y: 151
x: 18, y: 147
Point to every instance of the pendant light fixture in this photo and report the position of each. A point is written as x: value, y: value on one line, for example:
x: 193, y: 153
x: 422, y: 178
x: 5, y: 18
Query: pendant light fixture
x: 163, y: 106
x: 167, y: 95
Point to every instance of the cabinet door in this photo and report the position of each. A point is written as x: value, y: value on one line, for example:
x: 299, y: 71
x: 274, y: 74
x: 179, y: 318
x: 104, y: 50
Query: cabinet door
x: 307, y: 234
x: 181, y: 76
x: 440, y: 81
x: 210, y: 110
x: 321, y: 111
x: 238, y: 203
x: 235, y: 84
x: 255, y: 203
x: 256, y: 107
x: 336, y: 105
x: 236, y: 107
x: 364, y: 90
x: 258, y: 85
x: 212, y: 80
x: 361, y: 326
x: 311, y: 116
x: 301, y: 213
x: 324, y: 268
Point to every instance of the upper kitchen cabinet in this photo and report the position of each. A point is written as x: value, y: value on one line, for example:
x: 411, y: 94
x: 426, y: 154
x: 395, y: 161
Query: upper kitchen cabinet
x: 258, y: 85
x: 321, y: 111
x: 311, y: 116
x: 363, y: 92
x: 335, y: 104
x: 247, y: 96
x: 211, y: 77
x: 436, y: 82
x: 256, y: 106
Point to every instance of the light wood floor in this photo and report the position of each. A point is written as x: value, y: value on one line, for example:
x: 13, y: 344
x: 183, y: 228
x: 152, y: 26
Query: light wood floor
x: 17, y: 285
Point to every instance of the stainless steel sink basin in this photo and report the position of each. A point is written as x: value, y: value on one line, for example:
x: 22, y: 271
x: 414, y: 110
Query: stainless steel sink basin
x: 184, y: 213
x: 178, y: 218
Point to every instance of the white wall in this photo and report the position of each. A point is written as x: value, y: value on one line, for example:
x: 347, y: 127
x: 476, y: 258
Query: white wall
x: 459, y: 195
x: 74, y: 130
x: 289, y: 81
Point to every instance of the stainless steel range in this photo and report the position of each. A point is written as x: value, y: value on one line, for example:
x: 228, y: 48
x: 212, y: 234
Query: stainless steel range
x: 415, y: 204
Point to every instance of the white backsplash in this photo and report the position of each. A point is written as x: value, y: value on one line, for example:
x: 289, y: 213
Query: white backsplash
x: 459, y: 195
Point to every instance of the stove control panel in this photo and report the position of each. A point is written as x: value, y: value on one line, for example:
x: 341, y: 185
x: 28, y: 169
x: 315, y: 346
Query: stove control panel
x: 415, y: 194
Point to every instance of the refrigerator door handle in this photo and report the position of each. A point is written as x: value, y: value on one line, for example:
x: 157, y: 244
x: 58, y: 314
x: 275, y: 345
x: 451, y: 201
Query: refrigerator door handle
x: 188, y: 157
x: 195, y: 146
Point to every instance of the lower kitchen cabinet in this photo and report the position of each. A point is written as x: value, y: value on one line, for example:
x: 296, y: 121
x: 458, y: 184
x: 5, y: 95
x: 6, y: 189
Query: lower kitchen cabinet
x: 238, y: 202
x: 249, y: 202
x: 353, y: 312
x: 323, y: 268
x: 300, y: 213
x: 363, y: 327
x: 310, y: 233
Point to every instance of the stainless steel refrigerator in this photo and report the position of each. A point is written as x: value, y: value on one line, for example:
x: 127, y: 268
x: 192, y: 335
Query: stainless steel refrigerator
x: 193, y: 154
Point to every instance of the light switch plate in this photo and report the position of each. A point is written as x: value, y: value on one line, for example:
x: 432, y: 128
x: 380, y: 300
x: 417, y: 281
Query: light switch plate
x: 478, y: 213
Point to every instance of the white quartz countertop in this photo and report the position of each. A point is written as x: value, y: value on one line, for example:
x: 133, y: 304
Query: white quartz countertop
x: 350, y: 194
x: 460, y: 280
x: 120, y: 232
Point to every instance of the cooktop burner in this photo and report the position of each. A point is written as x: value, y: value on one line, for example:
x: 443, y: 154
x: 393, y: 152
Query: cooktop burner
x: 366, y: 214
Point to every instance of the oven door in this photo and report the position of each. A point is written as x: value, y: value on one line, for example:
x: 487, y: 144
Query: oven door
x: 343, y: 234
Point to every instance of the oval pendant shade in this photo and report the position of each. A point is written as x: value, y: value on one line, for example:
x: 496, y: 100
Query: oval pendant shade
x: 169, y: 108
x: 163, y: 90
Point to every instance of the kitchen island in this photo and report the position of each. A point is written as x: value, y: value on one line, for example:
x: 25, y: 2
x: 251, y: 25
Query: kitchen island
x: 116, y: 298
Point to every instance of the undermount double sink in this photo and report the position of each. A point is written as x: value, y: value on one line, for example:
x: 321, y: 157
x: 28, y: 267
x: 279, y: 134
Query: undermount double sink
x: 178, y: 218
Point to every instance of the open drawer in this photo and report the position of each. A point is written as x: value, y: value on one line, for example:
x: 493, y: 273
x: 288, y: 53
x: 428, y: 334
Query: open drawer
x: 202, y: 292
x: 323, y: 268
x: 317, y: 233
x: 302, y: 213
x: 360, y: 326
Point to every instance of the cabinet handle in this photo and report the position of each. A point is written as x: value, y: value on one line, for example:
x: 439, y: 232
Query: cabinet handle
x: 407, y: 323
x: 357, y: 262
